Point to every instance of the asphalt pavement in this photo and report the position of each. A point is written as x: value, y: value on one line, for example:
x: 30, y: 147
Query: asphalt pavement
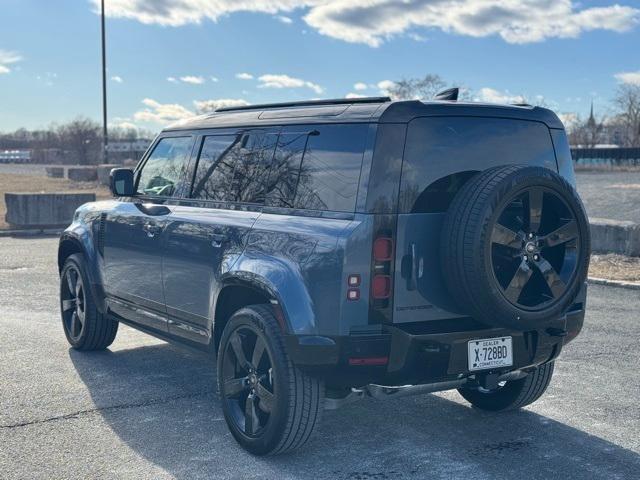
x: 146, y: 409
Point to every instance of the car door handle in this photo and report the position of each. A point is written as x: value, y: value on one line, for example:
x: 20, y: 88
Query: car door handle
x: 217, y: 239
x: 152, y: 229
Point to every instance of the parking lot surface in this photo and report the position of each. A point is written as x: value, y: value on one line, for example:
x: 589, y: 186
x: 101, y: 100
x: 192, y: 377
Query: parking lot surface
x: 146, y: 409
x: 614, y: 195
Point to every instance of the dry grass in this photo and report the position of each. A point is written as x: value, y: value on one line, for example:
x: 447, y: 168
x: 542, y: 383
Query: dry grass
x: 16, y: 183
x: 615, y: 267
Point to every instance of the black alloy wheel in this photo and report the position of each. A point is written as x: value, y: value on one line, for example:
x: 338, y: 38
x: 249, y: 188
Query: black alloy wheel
x: 85, y: 327
x: 270, y: 405
x: 535, y: 245
x: 73, y: 303
x: 248, y: 380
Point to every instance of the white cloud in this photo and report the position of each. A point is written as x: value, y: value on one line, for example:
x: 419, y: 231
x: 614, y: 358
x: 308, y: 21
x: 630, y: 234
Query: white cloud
x: 284, y: 19
x: 214, y: 79
x: 8, y: 58
x: 385, y: 86
x: 631, y: 78
x: 204, y: 106
x: 123, y: 123
x: 354, y: 95
x: 172, y: 79
x: 568, y: 119
x: 285, y: 81
x: 117, y: 79
x: 244, y: 76
x: 360, y: 86
x: 374, y: 21
x: 192, y: 79
x: 162, y: 113
x: 491, y: 95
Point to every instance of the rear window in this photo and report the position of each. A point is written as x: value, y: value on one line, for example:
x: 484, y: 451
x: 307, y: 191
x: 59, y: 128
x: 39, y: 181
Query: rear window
x: 442, y: 152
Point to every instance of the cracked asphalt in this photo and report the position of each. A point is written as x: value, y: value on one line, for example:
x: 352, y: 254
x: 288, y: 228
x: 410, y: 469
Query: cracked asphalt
x: 146, y: 409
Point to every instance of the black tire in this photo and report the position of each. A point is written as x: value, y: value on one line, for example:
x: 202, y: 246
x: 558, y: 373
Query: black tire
x: 90, y: 330
x: 513, y: 394
x: 294, y: 399
x: 494, y: 279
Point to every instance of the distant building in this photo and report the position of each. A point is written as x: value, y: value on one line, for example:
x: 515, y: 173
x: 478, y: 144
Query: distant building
x: 15, y: 156
x: 122, y: 150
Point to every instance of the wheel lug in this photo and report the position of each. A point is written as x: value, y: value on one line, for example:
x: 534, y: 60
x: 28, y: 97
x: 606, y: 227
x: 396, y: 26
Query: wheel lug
x: 536, y: 257
x: 526, y: 258
x: 530, y: 235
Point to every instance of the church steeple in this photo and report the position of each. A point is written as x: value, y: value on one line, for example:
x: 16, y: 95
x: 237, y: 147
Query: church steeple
x: 591, y: 123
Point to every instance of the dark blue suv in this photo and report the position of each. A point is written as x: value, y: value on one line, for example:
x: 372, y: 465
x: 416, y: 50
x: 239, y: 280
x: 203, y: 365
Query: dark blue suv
x: 328, y: 250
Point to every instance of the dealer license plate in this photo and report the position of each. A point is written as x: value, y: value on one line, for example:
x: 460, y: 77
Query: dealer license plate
x: 489, y: 353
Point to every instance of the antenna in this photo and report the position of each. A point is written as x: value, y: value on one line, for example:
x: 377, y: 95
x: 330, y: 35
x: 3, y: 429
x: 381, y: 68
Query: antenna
x: 448, y: 94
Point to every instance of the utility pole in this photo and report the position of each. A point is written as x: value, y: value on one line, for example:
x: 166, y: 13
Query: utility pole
x: 105, y: 138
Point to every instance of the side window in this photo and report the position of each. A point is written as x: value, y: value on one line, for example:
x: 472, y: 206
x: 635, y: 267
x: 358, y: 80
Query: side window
x: 165, y: 170
x: 330, y: 168
x: 234, y: 168
x: 286, y: 166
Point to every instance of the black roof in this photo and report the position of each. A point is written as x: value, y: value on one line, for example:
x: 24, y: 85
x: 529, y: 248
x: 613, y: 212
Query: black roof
x: 363, y: 110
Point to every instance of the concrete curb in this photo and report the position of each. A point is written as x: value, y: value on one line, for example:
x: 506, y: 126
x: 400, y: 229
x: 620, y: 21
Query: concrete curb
x: 613, y: 236
x: 614, y: 283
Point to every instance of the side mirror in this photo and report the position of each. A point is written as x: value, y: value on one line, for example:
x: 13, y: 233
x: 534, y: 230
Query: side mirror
x: 121, y: 182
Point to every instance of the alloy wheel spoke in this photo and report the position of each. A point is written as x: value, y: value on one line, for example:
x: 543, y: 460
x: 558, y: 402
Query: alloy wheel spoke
x: 68, y: 304
x: 258, y: 351
x: 71, y: 282
x: 236, y: 345
x: 75, y: 325
x: 505, y: 236
x: 251, y: 421
x: 234, y: 386
x: 536, y: 196
x: 564, y: 234
x: 518, y: 282
x: 555, y: 283
x: 266, y: 398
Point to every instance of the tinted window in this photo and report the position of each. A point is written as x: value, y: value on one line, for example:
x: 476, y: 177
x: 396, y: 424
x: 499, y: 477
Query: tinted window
x: 330, y: 170
x: 438, y: 147
x: 285, y: 169
x: 164, y: 172
x: 234, y: 168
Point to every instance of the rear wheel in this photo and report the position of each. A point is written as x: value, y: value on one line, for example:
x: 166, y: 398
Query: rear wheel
x: 513, y: 394
x: 84, y: 326
x: 270, y: 405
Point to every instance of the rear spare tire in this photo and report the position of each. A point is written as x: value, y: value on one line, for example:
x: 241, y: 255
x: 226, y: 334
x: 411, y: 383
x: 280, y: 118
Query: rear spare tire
x: 515, y: 246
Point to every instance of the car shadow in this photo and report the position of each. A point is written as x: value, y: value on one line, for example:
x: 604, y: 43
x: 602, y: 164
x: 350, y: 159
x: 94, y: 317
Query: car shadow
x: 162, y: 402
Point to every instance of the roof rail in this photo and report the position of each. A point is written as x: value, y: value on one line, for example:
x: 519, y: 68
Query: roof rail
x: 308, y: 103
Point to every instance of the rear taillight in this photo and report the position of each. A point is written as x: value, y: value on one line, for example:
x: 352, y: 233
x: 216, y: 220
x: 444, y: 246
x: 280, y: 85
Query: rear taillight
x: 381, y: 287
x: 381, y: 283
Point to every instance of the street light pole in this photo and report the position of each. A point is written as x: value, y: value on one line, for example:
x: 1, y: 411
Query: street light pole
x: 105, y: 138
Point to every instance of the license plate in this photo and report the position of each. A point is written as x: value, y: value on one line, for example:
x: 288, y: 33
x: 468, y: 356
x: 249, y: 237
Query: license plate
x: 489, y: 353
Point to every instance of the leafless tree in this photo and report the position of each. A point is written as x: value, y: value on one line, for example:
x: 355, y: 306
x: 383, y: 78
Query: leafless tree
x: 423, y: 88
x: 82, y: 139
x: 627, y: 103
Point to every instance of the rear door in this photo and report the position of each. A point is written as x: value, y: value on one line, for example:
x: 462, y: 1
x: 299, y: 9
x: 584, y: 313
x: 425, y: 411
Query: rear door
x: 207, y: 230
x: 441, y: 154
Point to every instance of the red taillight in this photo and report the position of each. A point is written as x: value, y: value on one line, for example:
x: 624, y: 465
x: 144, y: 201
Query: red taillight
x: 370, y: 361
x: 382, y: 249
x: 381, y: 286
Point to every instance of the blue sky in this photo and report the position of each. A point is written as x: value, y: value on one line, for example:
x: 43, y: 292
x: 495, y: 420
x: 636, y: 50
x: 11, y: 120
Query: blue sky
x: 167, y: 56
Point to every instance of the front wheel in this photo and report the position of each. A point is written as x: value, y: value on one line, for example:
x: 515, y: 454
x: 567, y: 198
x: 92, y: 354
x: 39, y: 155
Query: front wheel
x: 513, y: 394
x: 270, y: 405
x: 84, y: 326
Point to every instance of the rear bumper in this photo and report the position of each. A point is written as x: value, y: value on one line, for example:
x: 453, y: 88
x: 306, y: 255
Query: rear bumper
x: 423, y: 352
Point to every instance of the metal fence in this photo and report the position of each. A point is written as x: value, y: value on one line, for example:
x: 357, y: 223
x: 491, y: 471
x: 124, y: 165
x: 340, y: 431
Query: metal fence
x: 613, y: 157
